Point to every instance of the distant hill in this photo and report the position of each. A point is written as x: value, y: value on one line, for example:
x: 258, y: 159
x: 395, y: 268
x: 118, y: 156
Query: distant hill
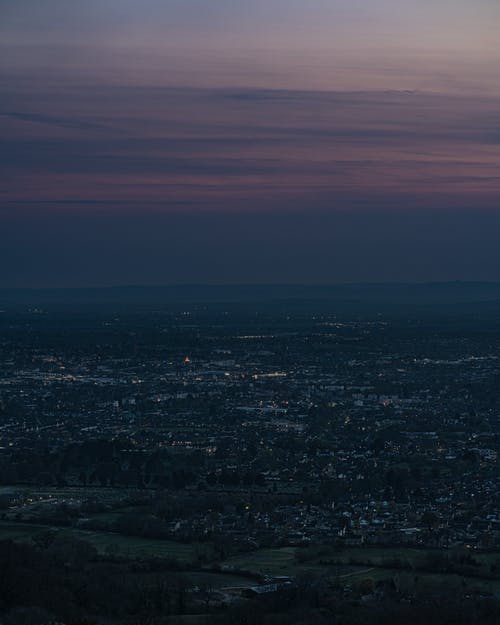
x: 390, y: 298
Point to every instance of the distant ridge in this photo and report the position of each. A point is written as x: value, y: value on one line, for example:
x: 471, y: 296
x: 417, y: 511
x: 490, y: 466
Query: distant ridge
x: 361, y: 297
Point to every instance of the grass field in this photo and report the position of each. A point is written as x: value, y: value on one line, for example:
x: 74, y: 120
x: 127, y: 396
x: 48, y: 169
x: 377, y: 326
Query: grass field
x: 132, y: 546
x: 105, y: 542
x: 267, y: 561
x: 350, y: 564
x: 355, y: 564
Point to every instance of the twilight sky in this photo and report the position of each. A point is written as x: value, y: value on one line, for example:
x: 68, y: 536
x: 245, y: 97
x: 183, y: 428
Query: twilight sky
x: 168, y: 141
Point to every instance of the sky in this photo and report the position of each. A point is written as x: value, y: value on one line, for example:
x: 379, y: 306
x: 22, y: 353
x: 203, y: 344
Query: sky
x: 227, y: 141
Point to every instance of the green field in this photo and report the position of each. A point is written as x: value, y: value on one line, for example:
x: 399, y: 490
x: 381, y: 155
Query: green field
x: 267, y: 561
x: 106, y: 542
x: 344, y: 565
x: 132, y: 546
x: 355, y: 564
